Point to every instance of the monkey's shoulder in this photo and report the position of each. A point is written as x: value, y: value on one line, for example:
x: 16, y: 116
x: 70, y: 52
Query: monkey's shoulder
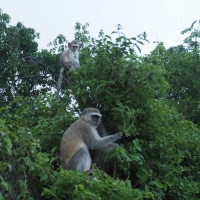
x: 81, y: 124
x: 66, y: 52
x: 78, y: 127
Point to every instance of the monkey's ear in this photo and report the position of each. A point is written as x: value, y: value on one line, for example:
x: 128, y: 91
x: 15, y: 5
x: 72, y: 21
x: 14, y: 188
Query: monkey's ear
x: 69, y: 44
x: 80, y: 45
x: 84, y: 111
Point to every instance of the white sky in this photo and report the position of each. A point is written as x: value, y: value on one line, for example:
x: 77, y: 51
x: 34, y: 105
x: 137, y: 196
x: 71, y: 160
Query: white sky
x: 162, y: 20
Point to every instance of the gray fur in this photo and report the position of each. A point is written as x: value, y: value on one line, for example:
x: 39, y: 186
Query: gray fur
x: 70, y: 57
x: 81, y: 136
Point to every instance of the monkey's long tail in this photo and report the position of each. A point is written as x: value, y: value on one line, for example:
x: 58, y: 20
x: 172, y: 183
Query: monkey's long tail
x: 59, y: 83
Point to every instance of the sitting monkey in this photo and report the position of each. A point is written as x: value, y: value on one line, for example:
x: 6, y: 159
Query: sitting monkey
x: 69, y: 58
x: 82, y: 135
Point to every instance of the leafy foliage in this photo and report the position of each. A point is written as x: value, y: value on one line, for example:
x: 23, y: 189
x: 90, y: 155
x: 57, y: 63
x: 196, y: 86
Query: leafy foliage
x: 153, y: 100
x: 182, y: 66
x: 192, y: 40
x: 23, y: 70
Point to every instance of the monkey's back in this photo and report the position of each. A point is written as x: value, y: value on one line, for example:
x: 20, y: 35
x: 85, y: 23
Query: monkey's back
x: 73, y: 140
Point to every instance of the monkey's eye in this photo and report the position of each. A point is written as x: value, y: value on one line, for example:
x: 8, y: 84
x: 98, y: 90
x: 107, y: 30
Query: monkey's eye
x: 74, y: 46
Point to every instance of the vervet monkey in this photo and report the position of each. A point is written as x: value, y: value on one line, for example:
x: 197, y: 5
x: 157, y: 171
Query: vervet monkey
x: 69, y: 59
x: 82, y: 135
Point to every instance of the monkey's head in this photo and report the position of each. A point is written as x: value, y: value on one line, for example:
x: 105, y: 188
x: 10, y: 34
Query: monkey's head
x: 92, y: 116
x: 74, y: 45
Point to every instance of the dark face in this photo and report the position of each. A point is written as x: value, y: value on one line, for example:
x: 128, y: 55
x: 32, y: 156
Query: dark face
x: 74, y: 47
x: 96, y: 119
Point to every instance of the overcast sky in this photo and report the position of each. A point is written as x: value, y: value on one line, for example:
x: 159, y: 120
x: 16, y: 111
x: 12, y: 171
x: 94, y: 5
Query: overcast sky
x: 162, y: 20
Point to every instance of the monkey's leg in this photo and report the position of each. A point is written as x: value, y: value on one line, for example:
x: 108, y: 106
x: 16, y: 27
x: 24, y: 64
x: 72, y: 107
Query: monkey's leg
x: 80, y: 161
x: 90, y: 172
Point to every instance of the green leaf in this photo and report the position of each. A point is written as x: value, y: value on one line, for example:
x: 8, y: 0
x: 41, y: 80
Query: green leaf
x: 170, y: 183
x: 159, y: 184
x: 146, y: 188
x: 137, y: 145
x: 84, y: 98
x: 43, y: 177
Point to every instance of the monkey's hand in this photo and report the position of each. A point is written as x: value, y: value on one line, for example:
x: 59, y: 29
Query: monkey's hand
x: 118, y: 135
x: 77, y: 66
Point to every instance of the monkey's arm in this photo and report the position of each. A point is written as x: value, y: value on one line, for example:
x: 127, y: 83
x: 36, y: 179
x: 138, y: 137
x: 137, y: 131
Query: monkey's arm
x: 97, y: 143
x: 67, y: 59
x: 73, y: 60
x: 109, y: 147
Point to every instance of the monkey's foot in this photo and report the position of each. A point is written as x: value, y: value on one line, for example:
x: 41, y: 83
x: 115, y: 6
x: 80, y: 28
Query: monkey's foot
x: 90, y: 172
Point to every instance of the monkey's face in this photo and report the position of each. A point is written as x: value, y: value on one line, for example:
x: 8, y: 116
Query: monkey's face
x: 96, y: 119
x: 92, y: 116
x: 74, y: 47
